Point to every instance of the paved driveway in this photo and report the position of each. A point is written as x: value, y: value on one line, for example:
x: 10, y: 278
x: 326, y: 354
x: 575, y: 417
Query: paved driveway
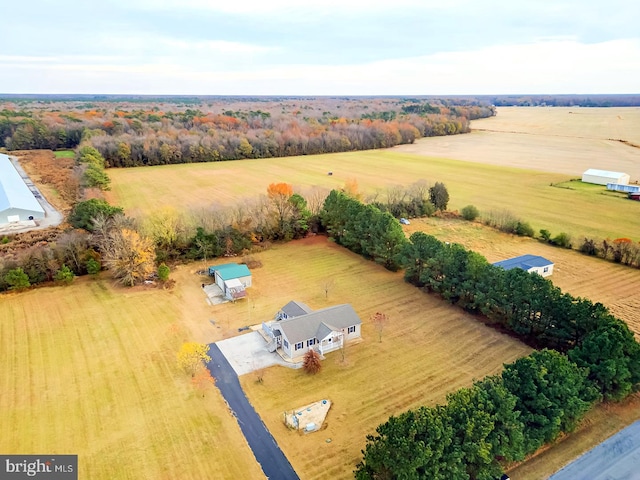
x: 247, y: 353
x: 273, y: 462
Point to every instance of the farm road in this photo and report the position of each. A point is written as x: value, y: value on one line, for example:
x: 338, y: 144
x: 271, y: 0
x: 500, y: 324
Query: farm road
x: 272, y: 460
x: 616, y: 458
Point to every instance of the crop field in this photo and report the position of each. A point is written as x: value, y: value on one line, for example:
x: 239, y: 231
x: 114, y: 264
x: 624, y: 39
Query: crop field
x: 428, y: 349
x: 548, y: 139
x: 465, y: 166
x: 613, y: 285
x: 90, y: 370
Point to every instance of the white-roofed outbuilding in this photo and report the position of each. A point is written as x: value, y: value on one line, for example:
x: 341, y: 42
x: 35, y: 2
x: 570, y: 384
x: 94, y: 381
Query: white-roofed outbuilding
x: 17, y: 203
x: 602, y: 177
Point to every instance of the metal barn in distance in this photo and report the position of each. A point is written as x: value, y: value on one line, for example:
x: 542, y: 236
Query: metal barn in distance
x: 603, y: 177
x: 17, y: 203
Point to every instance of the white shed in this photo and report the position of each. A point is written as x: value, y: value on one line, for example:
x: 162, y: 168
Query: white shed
x: 602, y: 177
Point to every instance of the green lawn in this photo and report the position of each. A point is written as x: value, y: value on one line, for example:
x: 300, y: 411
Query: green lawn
x: 65, y: 154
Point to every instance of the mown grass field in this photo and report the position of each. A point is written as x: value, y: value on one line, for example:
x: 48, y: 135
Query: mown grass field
x: 464, y: 164
x: 428, y: 349
x: 90, y: 370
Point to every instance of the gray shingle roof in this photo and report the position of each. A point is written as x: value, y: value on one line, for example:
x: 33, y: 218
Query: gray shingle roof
x: 319, y: 323
x: 296, y: 309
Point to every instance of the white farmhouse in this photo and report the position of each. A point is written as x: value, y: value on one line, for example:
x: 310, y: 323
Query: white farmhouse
x: 297, y: 329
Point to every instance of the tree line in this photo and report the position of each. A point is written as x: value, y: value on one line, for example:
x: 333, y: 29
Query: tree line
x: 133, y: 250
x: 499, y: 419
x: 594, y: 355
x: 149, y: 136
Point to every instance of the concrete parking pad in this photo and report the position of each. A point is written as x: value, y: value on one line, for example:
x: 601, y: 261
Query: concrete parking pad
x: 618, y: 458
x: 247, y: 353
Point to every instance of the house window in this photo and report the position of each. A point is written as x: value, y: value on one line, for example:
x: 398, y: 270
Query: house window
x: 546, y: 269
x: 299, y: 345
x: 286, y: 344
x: 352, y: 329
x: 311, y: 342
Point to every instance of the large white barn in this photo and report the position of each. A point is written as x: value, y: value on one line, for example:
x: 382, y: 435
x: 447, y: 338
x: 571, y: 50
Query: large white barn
x: 602, y: 177
x: 17, y: 203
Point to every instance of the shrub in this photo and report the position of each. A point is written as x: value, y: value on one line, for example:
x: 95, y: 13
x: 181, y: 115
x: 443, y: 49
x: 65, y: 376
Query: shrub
x: 562, y: 240
x: 470, y: 213
x: 64, y: 275
x: 16, y: 279
x: 588, y: 247
x: 163, y: 272
x: 545, y: 235
x: 311, y: 363
x: 251, y: 262
x: 93, y: 266
x: 503, y: 220
x: 524, y: 229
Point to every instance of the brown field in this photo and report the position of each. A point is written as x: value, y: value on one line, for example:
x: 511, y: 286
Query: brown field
x: 90, y: 370
x: 615, y: 286
x: 548, y: 139
x: 482, y: 173
x: 428, y: 349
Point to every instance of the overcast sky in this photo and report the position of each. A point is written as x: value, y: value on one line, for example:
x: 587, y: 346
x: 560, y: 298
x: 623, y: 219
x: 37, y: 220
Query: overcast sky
x: 320, y: 47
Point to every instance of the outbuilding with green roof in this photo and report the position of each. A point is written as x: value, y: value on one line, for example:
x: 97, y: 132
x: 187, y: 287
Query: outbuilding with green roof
x: 232, y: 278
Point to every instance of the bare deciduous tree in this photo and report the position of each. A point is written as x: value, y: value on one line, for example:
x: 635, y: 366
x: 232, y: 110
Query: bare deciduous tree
x: 327, y: 286
x: 379, y: 320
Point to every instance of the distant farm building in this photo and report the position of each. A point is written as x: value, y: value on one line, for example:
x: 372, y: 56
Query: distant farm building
x: 528, y: 263
x: 603, y: 177
x: 616, y: 187
x: 298, y: 329
x: 17, y: 203
x: 232, y: 278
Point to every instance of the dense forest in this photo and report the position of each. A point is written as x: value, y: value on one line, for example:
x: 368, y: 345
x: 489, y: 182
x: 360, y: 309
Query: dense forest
x: 134, y: 133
